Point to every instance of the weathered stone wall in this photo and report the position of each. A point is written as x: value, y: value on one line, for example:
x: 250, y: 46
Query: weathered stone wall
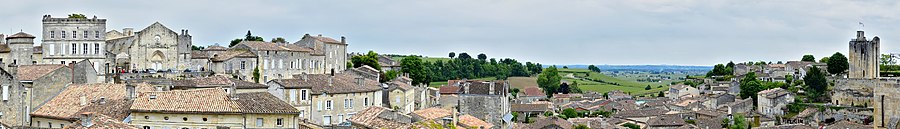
x: 853, y: 91
x: 887, y: 104
x: 84, y: 73
x: 489, y: 108
x: 12, y: 107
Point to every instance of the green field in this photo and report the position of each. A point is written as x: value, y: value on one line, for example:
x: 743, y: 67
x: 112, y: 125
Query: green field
x: 441, y: 83
x: 609, y: 83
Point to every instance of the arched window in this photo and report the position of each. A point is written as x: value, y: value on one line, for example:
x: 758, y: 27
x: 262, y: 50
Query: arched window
x: 146, y: 127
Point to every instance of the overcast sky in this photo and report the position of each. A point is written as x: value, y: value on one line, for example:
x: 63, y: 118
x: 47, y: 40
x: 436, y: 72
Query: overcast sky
x: 681, y: 32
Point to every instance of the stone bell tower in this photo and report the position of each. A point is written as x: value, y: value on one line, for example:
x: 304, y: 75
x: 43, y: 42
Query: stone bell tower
x: 864, y: 56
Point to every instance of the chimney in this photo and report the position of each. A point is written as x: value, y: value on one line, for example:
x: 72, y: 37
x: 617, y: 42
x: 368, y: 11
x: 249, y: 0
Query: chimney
x: 129, y: 91
x: 86, y: 119
x: 83, y: 100
x: 102, y: 100
x: 128, y: 31
x: 320, y: 35
x: 343, y: 40
x: 304, y: 76
x: 330, y: 80
x: 231, y: 91
x: 12, y: 68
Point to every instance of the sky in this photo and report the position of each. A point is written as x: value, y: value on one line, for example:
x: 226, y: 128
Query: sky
x: 619, y: 32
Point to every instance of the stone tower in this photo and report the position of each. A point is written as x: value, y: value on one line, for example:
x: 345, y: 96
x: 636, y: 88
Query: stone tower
x: 864, y: 55
x: 21, y: 47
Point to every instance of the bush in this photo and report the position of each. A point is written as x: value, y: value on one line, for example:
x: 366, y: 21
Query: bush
x: 631, y: 125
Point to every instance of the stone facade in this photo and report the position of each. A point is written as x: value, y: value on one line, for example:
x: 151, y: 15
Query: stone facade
x: 864, y: 55
x: 155, y: 47
x: 327, y: 100
x: 12, y: 101
x: 69, y: 40
x: 853, y: 91
x: 887, y: 104
x: 334, y: 52
x: 770, y: 102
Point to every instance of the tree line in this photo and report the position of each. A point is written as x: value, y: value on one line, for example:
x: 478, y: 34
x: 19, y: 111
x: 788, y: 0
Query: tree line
x: 462, y: 66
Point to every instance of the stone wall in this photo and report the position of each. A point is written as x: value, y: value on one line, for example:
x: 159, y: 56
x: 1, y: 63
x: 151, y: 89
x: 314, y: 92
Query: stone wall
x: 887, y: 104
x: 489, y: 108
x: 853, y: 91
x: 14, y: 105
x: 863, y: 56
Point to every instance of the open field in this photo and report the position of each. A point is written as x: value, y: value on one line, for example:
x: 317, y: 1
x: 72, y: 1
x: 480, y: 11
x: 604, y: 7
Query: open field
x: 593, y: 81
x: 523, y: 82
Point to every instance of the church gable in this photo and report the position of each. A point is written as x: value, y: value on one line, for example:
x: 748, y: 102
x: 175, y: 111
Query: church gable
x: 157, y: 34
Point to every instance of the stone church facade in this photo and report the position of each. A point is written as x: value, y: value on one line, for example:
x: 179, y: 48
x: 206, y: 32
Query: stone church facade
x: 155, y: 47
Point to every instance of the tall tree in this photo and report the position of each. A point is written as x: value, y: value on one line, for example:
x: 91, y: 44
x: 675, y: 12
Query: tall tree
x: 464, y: 56
x: 594, y: 68
x: 256, y: 74
x: 370, y: 59
x: 563, y: 88
x: 549, y: 80
x: 416, y: 69
x: 739, y: 122
x: 452, y: 54
x: 837, y: 63
x: 887, y: 59
x: 750, y: 86
x: 279, y: 40
x: 824, y: 60
x: 482, y: 57
x: 816, y: 84
x: 809, y: 58
x: 235, y: 42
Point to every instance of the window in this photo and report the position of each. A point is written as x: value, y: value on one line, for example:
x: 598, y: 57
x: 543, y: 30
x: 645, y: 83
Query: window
x: 340, y: 118
x: 74, y: 34
x: 280, y: 63
x: 50, y: 49
x: 84, y: 48
x: 279, y: 122
x: 319, y: 103
x: 259, y: 122
x: 242, y: 64
x: 146, y: 127
x: 351, y: 104
x: 50, y: 124
x: 1, y: 115
x: 85, y: 34
x: 204, y: 119
x: 302, y: 113
x: 328, y: 105
x: 265, y: 64
x: 97, y: 34
x: 166, y: 118
x: 96, y: 48
x: 5, y: 92
x: 52, y: 34
x: 326, y: 120
x: 303, y: 94
x: 185, y: 118
x: 346, y: 103
x: 366, y: 101
x: 63, y: 34
x: 293, y: 95
x: 74, y: 48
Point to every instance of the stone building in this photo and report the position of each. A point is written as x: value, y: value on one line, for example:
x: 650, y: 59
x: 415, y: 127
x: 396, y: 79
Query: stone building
x: 485, y: 100
x: 853, y: 91
x: 21, y: 49
x: 327, y: 99
x: 678, y: 91
x: 400, y: 95
x: 864, y: 55
x: 334, y: 52
x: 110, y: 100
x: 12, y: 101
x: 770, y: 102
x: 887, y: 104
x: 240, y: 86
x: 155, y: 47
x: 210, y: 108
x: 238, y: 63
x: 280, y: 60
x: 69, y: 40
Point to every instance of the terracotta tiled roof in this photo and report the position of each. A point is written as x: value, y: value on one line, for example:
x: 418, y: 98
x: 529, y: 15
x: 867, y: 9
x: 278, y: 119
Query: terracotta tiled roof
x: 666, y: 120
x: 38, y: 50
x: 186, y: 101
x: 263, y: 102
x: 529, y: 107
x: 471, y: 121
x: 533, y: 91
x: 102, y: 98
x: 99, y: 121
x: 325, y: 83
x: 199, y: 55
x: 548, y: 123
x: 640, y: 113
x: 433, y: 113
x: 215, y: 48
x: 268, y: 46
x: 847, y: 125
x: 20, y: 35
x: 232, y: 53
x: 32, y: 72
x: 449, y: 89
x: 326, y: 39
x: 371, y: 118
x: 218, y: 81
x: 399, y: 84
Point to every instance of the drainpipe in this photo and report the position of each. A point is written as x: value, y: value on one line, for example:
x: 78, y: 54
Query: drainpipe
x: 245, y: 121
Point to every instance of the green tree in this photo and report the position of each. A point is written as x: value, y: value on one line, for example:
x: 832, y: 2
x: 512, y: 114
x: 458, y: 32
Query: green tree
x: 77, y: 15
x: 574, y: 87
x: 256, y: 74
x: 197, y: 48
x: 452, y: 54
x: 594, y: 68
x: 837, y: 63
x: 464, y: 56
x: 482, y: 57
x: 370, y: 59
x: 549, y: 80
x: 235, y: 42
x: 816, y: 84
x: 647, y: 88
x: 279, y: 40
x: 661, y: 94
x: 250, y: 37
x: 416, y: 69
x: 631, y: 126
x: 349, y: 65
x: 750, y: 86
x: 886, y: 59
x: 580, y: 126
x: 824, y: 60
x: 809, y: 58
x: 571, y: 113
x: 390, y: 75
x: 739, y: 122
